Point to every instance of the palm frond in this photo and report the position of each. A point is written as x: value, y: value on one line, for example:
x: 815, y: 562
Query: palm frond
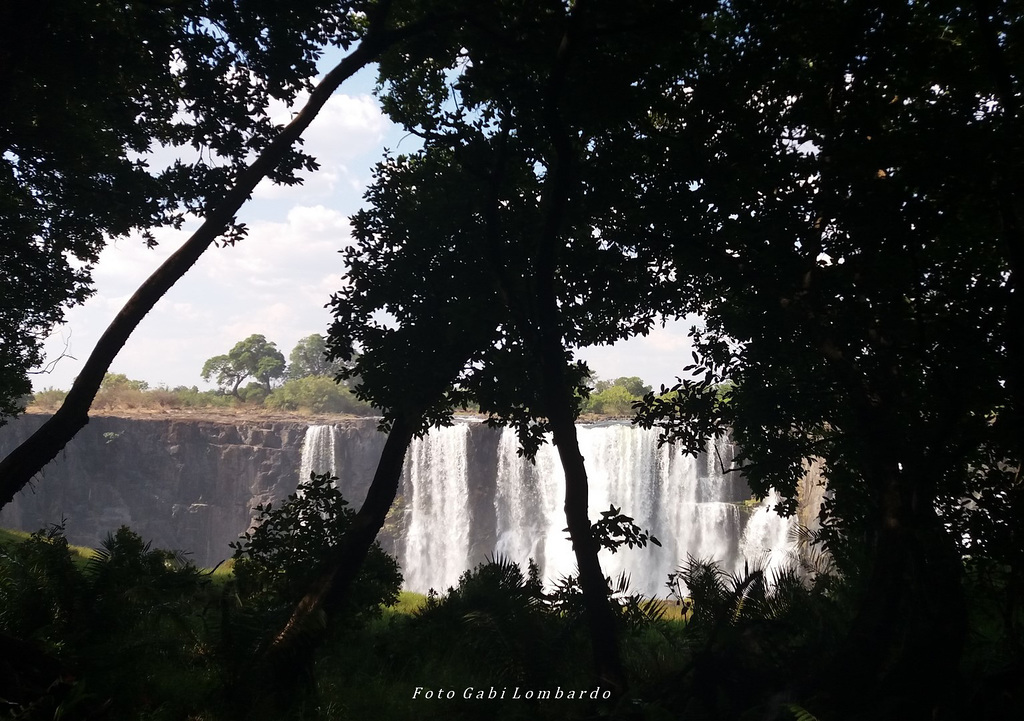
x: 800, y: 713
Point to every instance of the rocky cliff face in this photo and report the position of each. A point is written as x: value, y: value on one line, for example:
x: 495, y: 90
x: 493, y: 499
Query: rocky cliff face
x: 184, y: 484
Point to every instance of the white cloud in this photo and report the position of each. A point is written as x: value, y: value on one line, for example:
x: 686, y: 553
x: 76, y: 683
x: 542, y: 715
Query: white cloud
x: 275, y: 282
x: 658, y: 358
x: 280, y: 255
x: 347, y: 127
x: 348, y: 131
x: 669, y: 339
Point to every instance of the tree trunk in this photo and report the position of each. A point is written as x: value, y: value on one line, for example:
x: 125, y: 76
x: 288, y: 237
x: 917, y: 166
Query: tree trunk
x: 266, y: 686
x: 600, y: 616
x: 902, y: 650
x: 905, y: 643
x: 558, y: 398
x: 289, y: 653
x: 29, y: 458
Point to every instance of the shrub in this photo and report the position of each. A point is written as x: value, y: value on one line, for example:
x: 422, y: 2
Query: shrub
x: 317, y: 394
x: 614, y: 401
x: 119, y: 391
x: 277, y: 559
x: 130, y: 578
x: 39, y: 586
x: 119, y: 381
x: 49, y: 399
x: 192, y: 397
x: 163, y: 397
x: 496, y: 621
x: 253, y: 394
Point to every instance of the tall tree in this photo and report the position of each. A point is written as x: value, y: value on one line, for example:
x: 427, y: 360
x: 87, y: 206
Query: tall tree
x: 255, y: 357
x: 844, y: 222
x: 521, y: 163
x: 309, y: 358
x: 780, y: 175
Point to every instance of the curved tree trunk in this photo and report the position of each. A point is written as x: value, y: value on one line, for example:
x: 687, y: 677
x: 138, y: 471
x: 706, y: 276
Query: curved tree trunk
x: 29, y: 458
x: 288, y: 653
x: 267, y: 685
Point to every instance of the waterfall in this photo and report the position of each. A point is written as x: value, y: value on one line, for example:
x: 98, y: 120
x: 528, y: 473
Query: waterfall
x: 767, y: 537
x: 436, y: 547
x: 318, y: 454
x: 467, y: 495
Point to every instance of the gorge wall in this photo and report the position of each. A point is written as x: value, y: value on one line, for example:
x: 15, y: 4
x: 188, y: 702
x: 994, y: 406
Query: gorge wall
x: 184, y: 484
x: 465, y: 493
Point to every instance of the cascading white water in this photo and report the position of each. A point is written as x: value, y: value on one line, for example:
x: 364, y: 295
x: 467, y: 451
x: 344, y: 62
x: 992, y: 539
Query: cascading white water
x: 456, y: 515
x: 526, y: 499
x: 318, y: 452
x: 767, y: 537
x: 690, y: 507
x: 436, y: 549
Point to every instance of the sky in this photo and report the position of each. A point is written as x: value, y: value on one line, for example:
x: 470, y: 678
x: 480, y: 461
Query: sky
x: 277, y: 280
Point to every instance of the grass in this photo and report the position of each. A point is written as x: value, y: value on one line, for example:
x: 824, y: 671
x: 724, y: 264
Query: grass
x: 7, y: 536
x: 222, y: 573
x: 79, y: 554
x: 408, y: 602
x: 672, y: 610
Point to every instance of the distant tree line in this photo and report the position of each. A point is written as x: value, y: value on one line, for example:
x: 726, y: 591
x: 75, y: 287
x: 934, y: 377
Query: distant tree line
x: 252, y: 374
x: 616, y: 397
x: 308, y: 381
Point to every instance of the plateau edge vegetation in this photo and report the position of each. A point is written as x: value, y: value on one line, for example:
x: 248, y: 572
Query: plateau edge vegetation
x: 306, y: 384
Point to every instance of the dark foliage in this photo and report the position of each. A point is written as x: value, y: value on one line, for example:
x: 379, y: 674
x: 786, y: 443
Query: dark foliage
x: 40, y: 587
x: 499, y: 616
x: 98, y: 622
x: 276, y: 561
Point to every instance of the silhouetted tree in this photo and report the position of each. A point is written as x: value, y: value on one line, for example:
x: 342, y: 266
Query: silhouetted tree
x: 373, y: 27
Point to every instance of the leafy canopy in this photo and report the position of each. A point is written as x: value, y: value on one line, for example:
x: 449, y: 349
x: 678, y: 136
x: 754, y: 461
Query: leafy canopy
x: 255, y: 357
x: 309, y: 358
x: 859, y: 288
x: 468, y: 242
x: 318, y: 394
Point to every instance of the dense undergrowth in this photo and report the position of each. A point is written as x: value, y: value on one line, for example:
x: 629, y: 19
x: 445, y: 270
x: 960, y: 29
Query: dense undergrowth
x: 131, y: 632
